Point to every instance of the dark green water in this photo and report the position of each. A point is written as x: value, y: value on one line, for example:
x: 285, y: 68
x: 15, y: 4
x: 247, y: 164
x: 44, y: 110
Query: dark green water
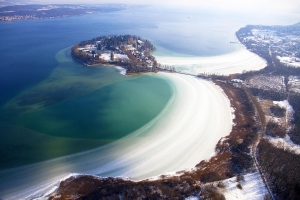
x: 107, y: 113
x: 75, y: 109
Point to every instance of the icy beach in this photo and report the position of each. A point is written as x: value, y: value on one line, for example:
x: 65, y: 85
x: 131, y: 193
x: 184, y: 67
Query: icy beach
x: 235, y: 62
x: 184, y: 133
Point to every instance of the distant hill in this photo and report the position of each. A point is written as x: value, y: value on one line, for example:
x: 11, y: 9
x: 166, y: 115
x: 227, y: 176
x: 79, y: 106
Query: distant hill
x: 35, y: 11
x: 297, y: 24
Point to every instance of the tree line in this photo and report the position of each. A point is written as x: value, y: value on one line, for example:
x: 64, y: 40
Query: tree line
x: 294, y: 134
x: 281, y: 169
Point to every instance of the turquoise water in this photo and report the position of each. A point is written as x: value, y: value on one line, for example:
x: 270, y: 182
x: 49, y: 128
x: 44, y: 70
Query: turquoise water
x: 51, y: 105
x: 77, y: 108
x: 107, y: 113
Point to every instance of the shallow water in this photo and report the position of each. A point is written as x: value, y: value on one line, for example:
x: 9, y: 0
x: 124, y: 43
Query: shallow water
x: 78, y: 108
x: 178, y: 138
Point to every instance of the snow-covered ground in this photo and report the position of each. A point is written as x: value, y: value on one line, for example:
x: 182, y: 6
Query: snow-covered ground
x: 252, y: 188
x: 290, y: 61
x: 289, y: 109
x: 122, y: 56
x: 286, y: 144
x: 105, y: 56
x: 263, y: 33
x: 294, y: 83
x: 235, y: 62
x: 192, y: 198
x: 267, y: 82
x: 183, y: 134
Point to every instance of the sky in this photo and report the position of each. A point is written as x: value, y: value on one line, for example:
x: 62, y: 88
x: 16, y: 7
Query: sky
x: 242, y: 5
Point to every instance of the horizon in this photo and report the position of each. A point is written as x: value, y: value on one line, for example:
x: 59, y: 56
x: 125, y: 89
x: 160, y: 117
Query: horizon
x: 292, y: 6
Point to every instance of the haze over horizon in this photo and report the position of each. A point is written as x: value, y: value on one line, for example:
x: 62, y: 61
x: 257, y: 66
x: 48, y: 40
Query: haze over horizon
x: 230, y: 5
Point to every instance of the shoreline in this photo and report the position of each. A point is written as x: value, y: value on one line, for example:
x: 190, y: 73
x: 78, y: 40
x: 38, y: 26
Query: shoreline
x: 179, y: 83
x: 219, y: 163
x: 121, y: 69
x: 209, y: 153
x: 130, y: 156
x: 234, y: 62
x: 134, y: 151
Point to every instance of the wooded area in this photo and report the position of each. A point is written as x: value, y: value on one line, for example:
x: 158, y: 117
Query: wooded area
x: 281, y: 169
x: 139, y: 57
x: 294, y: 100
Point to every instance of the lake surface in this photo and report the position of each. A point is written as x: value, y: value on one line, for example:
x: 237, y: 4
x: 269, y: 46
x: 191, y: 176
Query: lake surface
x: 51, y: 106
x: 77, y: 108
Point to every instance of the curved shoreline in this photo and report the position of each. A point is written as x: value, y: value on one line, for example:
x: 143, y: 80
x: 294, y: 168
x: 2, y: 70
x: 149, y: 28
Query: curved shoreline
x: 137, y: 156
x: 171, y: 142
x: 125, y: 159
x: 231, y: 63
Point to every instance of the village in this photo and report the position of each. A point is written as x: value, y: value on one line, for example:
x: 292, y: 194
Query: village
x: 281, y: 41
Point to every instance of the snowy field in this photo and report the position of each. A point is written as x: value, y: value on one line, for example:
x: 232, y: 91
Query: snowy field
x: 286, y: 144
x: 290, y: 61
x: 235, y: 62
x: 289, y: 109
x: 252, y: 188
x: 267, y: 82
x: 184, y: 133
x: 294, y: 83
x: 263, y: 33
x: 107, y: 56
x: 121, y: 56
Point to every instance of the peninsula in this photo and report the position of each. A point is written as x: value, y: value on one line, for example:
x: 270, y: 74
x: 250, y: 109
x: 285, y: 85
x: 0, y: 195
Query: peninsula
x: 127, y: 51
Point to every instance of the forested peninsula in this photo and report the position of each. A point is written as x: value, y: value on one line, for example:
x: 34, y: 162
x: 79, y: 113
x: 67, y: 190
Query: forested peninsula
x: 130, y: 52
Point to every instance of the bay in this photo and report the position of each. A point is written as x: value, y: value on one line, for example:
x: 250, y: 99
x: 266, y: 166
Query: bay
x: 77, y: 108
x: 51, y: 105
